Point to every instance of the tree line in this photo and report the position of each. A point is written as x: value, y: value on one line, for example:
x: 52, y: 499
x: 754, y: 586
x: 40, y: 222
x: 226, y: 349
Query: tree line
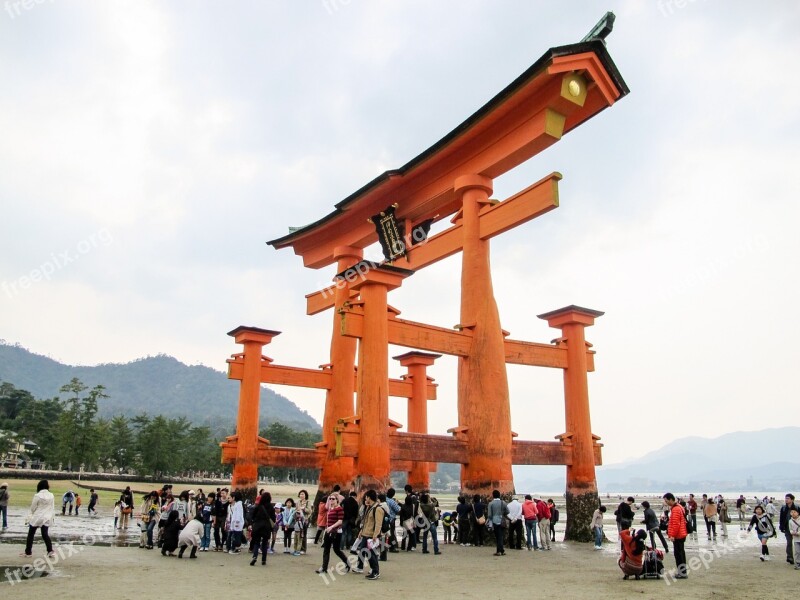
x: 68, y: 432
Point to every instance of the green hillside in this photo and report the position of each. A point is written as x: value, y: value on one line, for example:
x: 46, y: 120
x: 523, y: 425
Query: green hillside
x: 157, y: 385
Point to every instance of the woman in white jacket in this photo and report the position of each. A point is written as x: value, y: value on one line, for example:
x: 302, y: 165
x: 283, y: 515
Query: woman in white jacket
x: 42, y: 514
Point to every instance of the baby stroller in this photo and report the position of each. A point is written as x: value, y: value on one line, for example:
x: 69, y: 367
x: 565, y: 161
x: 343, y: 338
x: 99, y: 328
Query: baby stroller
x: 652, y: 564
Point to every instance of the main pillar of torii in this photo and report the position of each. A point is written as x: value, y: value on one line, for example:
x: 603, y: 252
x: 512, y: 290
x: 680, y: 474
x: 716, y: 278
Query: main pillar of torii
x: 483, y: 405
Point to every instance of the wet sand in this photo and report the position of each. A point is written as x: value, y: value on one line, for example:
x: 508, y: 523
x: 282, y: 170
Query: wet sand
x: 106, y: 566
x: 729, y: 569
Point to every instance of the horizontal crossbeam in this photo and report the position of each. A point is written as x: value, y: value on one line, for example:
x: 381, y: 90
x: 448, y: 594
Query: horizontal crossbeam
x: 528, y: 204
x: 316, y: 378
x: 422, y: 336
x: 416, y: 447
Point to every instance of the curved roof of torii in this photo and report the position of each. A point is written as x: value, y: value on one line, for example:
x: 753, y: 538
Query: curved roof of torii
x: 521, y: 111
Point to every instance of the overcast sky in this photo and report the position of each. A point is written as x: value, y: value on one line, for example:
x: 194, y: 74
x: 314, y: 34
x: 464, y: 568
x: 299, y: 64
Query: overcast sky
x: 149, y: 149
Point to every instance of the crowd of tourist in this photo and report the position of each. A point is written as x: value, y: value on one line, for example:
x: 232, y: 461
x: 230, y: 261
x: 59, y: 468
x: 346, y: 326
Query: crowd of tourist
x: 679, y: 522
x: 380, y: 524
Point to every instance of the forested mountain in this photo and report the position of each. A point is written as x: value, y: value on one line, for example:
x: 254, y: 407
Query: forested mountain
x: 157, y: 385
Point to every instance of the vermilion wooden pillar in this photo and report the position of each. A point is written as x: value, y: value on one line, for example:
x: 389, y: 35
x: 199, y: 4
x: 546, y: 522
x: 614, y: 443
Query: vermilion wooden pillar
x: 417, y: 364
x: 339, y: 399
x: 582, y: 498
x: 245, y: 467
x: 483, y: 405
x: 373, y: 462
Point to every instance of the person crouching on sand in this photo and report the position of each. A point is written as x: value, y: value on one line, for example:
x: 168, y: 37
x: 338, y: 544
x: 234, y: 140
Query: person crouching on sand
x: 630, y: 559
x: 191, y: 536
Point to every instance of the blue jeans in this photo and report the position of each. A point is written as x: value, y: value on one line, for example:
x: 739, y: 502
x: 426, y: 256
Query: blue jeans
x: 206, y: 541
x: 151, y: 525
x: 4, y: 512
x: 434, y: 537
x: 598, y: 536
x: 532, y: 526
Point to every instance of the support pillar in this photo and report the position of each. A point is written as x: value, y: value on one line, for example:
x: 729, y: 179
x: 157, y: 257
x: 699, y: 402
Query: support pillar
x: 417, y: 364
x: 245, y: 466
x: 339, y: 399
x: 582, y: 497
x: 373, y: 462
x: 483, y: 405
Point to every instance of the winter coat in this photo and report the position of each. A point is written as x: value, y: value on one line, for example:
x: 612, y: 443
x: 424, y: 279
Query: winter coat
x: 650, y: 519
x: 373, y: 520
x: 677, y: 523
x: 529, y: 510
x: 43, y: 510
x: 191, y: 534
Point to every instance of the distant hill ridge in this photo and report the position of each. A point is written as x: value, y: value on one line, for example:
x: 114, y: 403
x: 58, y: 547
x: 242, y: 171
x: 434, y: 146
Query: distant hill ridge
x: 153, y: 385
x: 737, y: 461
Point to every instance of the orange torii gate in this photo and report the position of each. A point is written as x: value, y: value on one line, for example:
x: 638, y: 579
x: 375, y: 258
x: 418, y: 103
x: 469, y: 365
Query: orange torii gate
x: 360, y: 444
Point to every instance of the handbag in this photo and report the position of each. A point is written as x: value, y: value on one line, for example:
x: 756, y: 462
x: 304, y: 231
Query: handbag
x: 409, y: 524
x: 480, y: 520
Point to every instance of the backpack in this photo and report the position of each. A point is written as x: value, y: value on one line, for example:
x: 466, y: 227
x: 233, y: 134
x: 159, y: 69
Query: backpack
x: 689, y: 528
x: 386, y: 526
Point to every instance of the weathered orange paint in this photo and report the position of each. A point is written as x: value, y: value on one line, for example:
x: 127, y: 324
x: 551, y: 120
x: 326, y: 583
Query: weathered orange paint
x: 417, y: 364
x: 483, y: 405
x: 339, y: 399
x: 572, y: 320
x: 373, y: 463
x: 245, y: 469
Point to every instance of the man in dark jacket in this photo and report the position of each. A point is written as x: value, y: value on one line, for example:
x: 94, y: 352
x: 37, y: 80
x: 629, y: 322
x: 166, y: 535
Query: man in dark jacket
x: 350, y: 507
x: 625, y: 514
x: 783, y: 521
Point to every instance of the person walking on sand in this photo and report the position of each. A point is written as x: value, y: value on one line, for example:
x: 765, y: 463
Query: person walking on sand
x: 4, y: 498
x: 91, y: 510
x: 597, y: 527
x: 369, y: 536
x: 332, y: 532
x: 554, y: 516
x: 764, y: 529
x: 676, y: 531
x: 741, y: 508
x: 41, y: 516
x: 651, y: 523
x: 783, y: 524
x: 710, y: 514
x: 431, y: 517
